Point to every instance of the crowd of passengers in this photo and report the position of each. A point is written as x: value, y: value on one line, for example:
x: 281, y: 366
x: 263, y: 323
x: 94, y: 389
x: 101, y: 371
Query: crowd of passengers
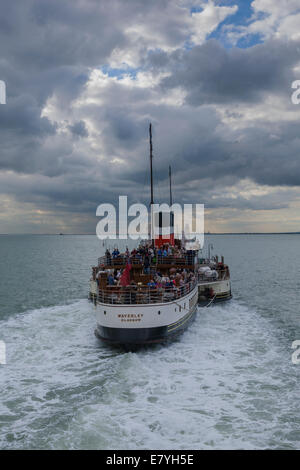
x: 159, y: 288
x: 177, y: 278
x: 149, y: 255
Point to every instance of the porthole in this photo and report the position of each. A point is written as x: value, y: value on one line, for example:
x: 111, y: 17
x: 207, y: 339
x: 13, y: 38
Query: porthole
x: 158, y: 312
x: 104, y: 312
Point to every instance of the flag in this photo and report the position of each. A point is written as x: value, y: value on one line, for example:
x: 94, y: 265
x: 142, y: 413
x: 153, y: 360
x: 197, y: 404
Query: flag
x: 125, y: 278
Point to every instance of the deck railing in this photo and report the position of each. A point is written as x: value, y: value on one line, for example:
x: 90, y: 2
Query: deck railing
x: 143, y: 294
x: 121, y: 261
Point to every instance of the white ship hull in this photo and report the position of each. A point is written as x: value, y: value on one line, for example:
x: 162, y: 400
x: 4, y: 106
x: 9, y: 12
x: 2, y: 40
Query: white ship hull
x: 145, y: 323
x: 221, y: 290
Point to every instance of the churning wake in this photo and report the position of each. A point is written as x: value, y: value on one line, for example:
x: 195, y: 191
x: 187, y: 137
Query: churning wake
x: 227, y: 382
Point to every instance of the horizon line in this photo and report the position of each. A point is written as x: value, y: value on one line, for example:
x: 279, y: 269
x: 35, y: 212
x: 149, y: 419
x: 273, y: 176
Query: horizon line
x: 205, y: 233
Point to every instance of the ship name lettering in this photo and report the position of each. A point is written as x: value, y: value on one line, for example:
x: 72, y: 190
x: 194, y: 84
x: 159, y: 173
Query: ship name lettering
x: 130, y: 315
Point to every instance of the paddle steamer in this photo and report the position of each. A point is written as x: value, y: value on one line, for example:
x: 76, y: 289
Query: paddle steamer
x: 151, y: 295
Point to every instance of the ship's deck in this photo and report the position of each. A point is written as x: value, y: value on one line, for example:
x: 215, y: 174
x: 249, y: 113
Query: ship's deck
x: 187, y: 261
x: 143, y: 294
x: 164, y: 279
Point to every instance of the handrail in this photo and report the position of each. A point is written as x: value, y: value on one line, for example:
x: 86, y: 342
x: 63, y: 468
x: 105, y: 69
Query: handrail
x: 143, y: 294
x: 121, y: 260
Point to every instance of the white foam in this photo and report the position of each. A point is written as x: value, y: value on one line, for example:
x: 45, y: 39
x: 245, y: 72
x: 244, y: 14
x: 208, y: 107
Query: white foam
x: 227, y: 383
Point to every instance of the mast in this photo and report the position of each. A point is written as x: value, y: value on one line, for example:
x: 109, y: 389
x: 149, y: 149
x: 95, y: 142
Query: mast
x: 172, y: 232
x: 170, y: 176
x: 151, y: 182
x: 151, y: 158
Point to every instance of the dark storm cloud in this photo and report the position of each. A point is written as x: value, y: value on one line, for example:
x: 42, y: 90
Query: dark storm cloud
x: 22, y: 115
x: 212, y: 74
x: 48, y: 33
x: 79, y: 129
x: 47, y: 51
x: 199, y: 146
x: 47, y: 47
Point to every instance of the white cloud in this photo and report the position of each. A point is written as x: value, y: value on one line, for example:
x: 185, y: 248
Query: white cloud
x: 269, y: 19
x: 205, y: 22
x: 289, y: 27
x: 168, y: 29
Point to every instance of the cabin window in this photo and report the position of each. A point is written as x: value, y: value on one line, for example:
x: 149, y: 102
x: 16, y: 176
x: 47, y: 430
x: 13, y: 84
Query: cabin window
x: 104, y: 312
x: 158, y: 312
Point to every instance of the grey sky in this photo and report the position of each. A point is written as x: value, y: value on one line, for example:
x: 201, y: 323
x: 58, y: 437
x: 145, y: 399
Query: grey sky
x: 85, y: 78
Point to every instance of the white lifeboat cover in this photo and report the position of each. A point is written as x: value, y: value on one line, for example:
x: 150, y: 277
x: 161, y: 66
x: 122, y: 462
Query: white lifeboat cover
x: 209, y: 273
x: 203, y: 269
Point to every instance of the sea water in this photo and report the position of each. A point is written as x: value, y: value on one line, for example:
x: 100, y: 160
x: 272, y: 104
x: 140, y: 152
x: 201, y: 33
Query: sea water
x: 227, y: 382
